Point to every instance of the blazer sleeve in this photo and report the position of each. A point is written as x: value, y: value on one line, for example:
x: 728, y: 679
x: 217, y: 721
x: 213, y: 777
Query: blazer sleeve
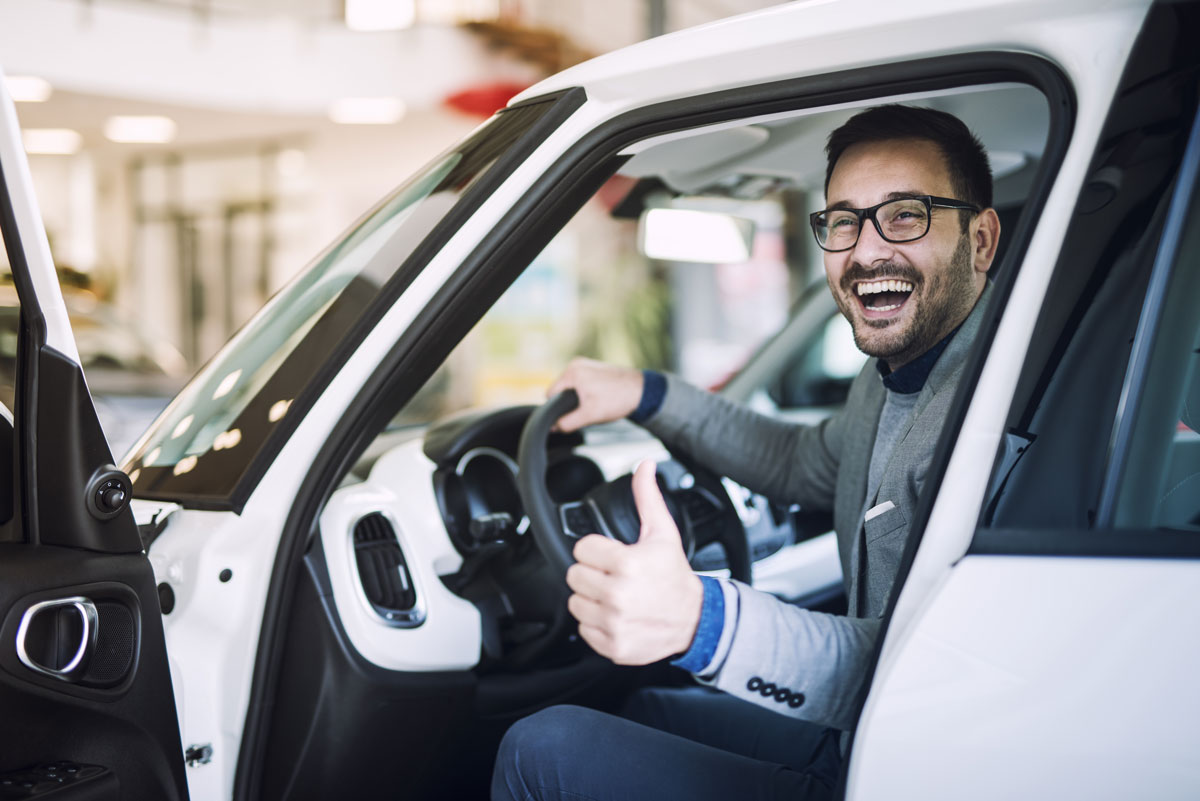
x: 784, y: 461
x: 803, y: 664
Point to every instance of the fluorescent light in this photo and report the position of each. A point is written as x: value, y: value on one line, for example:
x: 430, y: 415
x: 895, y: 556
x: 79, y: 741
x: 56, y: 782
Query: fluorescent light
x: 140, y: 130
x: 379, y: 15
x: 367, y: 110
x: 51, y: 141
x: 28, y: 88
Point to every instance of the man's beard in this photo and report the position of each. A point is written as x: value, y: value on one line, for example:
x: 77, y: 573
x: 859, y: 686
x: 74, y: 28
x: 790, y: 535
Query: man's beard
x: 942, y: 301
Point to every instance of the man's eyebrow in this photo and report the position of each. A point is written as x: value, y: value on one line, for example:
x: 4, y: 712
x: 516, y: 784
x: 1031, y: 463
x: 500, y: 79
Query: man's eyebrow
x: 846, y: 204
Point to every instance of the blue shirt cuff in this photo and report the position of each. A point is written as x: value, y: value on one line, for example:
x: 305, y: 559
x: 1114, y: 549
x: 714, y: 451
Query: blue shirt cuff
x: 708, y: 632
x: 654, y: 389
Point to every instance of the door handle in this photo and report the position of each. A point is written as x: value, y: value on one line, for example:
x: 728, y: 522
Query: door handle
x: 56, y: 637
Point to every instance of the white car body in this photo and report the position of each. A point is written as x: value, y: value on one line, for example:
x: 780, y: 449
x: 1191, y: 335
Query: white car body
x: 1025, y: 643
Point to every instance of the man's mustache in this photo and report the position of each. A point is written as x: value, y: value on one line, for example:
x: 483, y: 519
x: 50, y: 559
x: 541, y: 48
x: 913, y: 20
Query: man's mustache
x: 857, y: 272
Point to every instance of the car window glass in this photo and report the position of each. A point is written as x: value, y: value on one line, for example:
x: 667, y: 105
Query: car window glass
x: 214, y: 429
x: 1159, y: 485
x: 591, y: 291
x: 821, y: 372
x: 1051, y: 472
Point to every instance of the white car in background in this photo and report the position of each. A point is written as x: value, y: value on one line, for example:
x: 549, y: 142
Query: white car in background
x: 314, y: 604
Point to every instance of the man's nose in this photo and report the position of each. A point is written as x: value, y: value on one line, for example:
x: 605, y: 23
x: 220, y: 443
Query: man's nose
x: 871, y: 247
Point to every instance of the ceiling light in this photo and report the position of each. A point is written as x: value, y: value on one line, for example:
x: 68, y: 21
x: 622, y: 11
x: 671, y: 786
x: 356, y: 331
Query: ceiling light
x: 367, y: 110
x: 28, y: 88
x: 51, y: 141
x: 379, y: 15
x: 140, y: 130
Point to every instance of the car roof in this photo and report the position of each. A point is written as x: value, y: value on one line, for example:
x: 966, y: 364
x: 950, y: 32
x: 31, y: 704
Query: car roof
x: 821, y: 36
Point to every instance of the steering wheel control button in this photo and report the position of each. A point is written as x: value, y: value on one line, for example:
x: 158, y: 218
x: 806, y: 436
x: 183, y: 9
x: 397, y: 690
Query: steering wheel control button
x: 796, y: 701
x: 578, y: 519
x: 754, y: 684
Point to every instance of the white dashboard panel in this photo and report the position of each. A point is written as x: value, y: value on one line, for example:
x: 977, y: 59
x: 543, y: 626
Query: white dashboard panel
x: 400, y: 488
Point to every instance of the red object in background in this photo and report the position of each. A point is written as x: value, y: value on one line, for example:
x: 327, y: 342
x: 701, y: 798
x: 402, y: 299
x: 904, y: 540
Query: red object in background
x: 485, y: 100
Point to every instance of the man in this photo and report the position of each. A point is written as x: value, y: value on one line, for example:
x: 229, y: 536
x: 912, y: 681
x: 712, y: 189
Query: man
x: 909, y: 235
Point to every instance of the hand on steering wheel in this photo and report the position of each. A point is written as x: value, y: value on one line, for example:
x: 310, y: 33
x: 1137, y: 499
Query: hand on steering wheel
x: 700, y: 513
x: 636, y: 603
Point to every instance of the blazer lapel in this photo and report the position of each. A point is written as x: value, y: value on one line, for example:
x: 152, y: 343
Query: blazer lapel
x: 852, y: 486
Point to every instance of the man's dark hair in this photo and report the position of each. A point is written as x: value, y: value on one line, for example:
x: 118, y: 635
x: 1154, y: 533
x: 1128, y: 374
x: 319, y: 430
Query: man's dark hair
x: 966, y: 160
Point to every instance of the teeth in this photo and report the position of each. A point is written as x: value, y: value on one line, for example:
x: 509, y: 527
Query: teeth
x: 875, y: 287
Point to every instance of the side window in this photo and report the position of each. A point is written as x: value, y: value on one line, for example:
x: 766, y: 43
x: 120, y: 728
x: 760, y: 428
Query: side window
x: 1157, y: 476
x: 821, y: 373
x: 1101, y: 434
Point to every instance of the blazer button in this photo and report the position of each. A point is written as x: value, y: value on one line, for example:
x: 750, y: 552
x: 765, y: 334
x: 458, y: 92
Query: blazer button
x: 796, y: 700
x: 767, y: 690
x: 783, y: 695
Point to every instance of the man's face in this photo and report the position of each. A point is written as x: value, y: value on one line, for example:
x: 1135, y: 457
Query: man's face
x: 929, y: 285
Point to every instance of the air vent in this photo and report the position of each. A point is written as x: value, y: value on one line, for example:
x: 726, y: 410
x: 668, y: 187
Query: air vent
x: 384, y: 574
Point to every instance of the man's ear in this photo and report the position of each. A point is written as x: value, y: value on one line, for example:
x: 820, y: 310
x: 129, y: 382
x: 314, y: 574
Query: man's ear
x: 985, y: 234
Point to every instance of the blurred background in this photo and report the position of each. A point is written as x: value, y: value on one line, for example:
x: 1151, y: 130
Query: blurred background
x: 192, y: 156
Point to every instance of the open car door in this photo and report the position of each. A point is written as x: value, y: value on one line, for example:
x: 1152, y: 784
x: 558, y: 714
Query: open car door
x: 85, y: 689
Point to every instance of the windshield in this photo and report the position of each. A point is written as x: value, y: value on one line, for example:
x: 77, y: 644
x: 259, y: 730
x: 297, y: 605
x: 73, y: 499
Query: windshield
x: 268, y: 375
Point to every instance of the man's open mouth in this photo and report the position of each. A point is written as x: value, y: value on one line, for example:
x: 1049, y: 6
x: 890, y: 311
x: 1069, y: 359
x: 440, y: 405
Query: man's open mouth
x: 883, y: 296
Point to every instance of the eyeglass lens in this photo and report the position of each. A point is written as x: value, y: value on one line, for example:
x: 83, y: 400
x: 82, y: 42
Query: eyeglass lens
x: 900, y: 221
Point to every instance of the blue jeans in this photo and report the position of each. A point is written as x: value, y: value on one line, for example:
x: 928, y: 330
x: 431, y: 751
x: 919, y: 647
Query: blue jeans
x: 688, y: 743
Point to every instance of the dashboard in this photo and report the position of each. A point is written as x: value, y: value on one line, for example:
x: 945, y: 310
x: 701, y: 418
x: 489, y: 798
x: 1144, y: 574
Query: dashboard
x: 433, y: 565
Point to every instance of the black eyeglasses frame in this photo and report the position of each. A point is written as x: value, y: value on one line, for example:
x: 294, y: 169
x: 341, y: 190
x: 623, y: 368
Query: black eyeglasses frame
x: 931, y: 202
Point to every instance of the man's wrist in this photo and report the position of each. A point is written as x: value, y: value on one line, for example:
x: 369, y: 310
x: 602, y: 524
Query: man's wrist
x: 654, y: 390
x: 708, y: 629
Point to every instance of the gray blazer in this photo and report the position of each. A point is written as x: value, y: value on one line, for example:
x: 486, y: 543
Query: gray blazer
x: 801, y: 663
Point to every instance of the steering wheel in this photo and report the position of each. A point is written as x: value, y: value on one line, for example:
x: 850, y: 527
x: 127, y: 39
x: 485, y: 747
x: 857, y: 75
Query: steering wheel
x: 696, y: 497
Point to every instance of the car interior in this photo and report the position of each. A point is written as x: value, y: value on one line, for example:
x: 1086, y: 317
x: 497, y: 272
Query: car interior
x: 426, y: 613
x: 429, y: 615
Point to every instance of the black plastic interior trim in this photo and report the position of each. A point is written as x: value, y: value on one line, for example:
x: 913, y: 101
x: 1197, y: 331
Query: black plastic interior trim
x: 31, y: 338
x: 494, y: 262
x: 1114, y: 544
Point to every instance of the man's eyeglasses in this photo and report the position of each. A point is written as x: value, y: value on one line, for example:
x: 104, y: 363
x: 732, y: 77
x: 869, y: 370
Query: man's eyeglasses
x: 902, y: 220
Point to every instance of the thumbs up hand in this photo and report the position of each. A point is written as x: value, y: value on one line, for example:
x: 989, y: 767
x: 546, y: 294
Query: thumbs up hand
x: 639, y: 603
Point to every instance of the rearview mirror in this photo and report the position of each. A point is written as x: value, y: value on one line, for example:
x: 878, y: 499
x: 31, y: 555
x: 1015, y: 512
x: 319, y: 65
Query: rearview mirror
x: 697, y: 236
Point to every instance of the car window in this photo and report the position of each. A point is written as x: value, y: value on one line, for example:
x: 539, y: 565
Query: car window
x: 762, y: 326
x: 821, y: 372
x: 1158, y: 483
x: 211, y: 435
x: 1086, y: 447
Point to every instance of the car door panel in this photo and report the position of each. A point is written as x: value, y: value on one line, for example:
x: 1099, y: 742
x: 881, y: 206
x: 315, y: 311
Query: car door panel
x: 1055, y: 657
x: 995, y: 693
x: 85, y: 689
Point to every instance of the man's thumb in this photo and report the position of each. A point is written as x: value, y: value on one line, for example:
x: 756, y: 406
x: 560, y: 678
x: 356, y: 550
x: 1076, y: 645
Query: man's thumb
x: 652, y: 509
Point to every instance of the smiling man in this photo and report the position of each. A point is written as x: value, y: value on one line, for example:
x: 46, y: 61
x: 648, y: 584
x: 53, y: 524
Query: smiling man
x: 909, y: 236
